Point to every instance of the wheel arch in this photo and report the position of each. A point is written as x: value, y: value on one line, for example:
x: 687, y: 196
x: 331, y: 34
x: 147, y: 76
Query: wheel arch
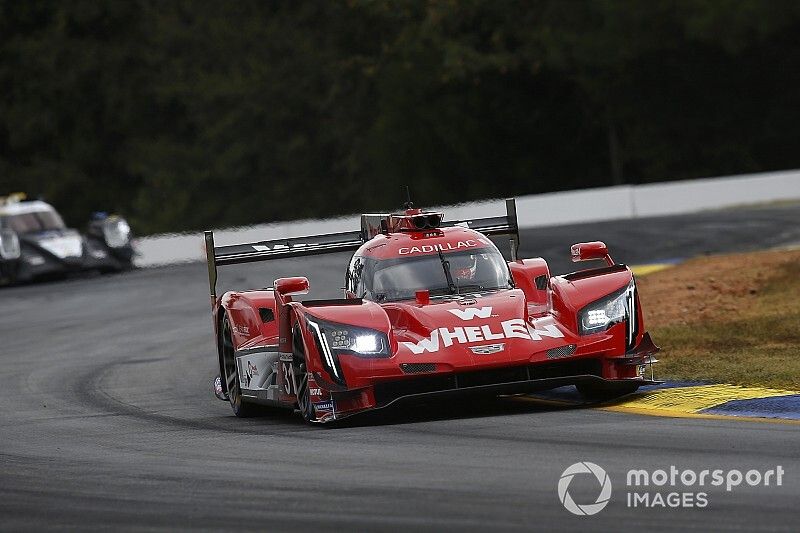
x: 297, y: 319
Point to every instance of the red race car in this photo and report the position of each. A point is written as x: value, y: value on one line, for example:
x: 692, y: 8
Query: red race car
x: 430, y: 308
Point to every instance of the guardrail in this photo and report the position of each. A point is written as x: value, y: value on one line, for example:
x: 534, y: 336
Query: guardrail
x: 538, y: 210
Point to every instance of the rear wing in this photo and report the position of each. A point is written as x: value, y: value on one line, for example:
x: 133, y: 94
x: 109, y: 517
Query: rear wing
x: 338, y: 242
x: 274, y: 249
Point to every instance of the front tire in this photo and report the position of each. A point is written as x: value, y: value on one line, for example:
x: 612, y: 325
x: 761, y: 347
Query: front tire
x: 240, y: 408
x: 605, y: 391
x: 300, y: 374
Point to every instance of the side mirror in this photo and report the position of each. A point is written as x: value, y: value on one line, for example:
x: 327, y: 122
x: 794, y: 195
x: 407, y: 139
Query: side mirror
x: 289, y: 286
x: 587, y: 251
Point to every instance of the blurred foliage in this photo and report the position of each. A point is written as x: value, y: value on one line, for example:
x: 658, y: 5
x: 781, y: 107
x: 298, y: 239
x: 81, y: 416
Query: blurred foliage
x: 187, y: 114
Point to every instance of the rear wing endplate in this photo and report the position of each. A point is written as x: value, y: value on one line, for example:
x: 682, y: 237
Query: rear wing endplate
x: 337, y: 242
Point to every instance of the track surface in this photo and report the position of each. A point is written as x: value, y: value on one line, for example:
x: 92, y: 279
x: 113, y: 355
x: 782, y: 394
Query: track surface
x: 657, y: 239
x: 107, y: 420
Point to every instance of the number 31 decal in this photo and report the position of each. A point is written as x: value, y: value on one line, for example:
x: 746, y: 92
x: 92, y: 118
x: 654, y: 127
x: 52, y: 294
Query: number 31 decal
x: 287, y: 377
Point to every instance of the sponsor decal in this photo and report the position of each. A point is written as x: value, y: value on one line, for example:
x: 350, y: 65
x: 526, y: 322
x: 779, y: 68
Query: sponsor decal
x: 256, y: 370
x: 252, y: 370
x: 265, y: 248
x: 241, y: 330
x: 516, y: 328
x: 324, y: 406
x: 446, y: 247
x: 314, y: 390
x: 472, y: 313
x: 486, y: 349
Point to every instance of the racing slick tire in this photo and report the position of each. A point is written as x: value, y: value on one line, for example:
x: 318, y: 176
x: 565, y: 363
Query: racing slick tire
x: 601, y: 392
x: 300, y: 370
x: 231, y: 374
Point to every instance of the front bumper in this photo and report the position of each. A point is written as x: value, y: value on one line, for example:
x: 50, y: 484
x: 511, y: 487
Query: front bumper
x: 29, y: 268
x: 38, y: 264
x: 514, y: 380
x: 422, y: 381
x: 506, y: 380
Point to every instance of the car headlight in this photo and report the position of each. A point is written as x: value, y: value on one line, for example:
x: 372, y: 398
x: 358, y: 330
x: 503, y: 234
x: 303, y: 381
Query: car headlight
x: 9, y: 244
x: 116, y: 232
x: 607, y: 311
x: 342, y: 338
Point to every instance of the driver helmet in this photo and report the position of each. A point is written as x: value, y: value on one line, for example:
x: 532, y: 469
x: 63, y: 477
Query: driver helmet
x: 464, y: 266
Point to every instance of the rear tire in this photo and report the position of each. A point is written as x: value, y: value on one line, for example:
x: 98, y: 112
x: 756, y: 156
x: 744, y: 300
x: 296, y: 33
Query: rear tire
x: 601, y: 392
x: 240, y: 408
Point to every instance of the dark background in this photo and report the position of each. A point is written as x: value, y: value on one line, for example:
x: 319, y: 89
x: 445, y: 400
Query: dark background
x: 186, y: 114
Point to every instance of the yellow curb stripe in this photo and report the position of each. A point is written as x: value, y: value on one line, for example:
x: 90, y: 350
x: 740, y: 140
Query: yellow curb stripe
x: 690, y: 400
x: 643, y: 270
x: 682, y: 402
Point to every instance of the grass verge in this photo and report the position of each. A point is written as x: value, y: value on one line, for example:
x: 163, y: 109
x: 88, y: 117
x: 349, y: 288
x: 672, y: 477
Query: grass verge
x: 729, y: 318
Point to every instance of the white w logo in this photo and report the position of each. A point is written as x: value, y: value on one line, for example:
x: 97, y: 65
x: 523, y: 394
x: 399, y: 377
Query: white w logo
x: 471, y: 313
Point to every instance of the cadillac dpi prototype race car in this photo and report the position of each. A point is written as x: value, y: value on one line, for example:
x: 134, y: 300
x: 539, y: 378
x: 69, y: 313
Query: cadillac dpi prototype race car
x: 429, y: 309
x: 35, y: 243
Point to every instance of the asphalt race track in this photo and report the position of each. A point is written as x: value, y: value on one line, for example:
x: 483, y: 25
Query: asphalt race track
x: 107, y: 420
x: 665, y: 239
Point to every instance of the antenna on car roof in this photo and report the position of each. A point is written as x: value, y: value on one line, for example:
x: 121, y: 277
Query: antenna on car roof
x: 409, y: 204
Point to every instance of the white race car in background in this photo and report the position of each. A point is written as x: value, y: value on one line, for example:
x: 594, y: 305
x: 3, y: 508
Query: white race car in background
x: 35, y: 243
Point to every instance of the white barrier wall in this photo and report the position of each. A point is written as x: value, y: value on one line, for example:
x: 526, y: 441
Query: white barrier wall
x: 569, y: 207
x: 549, y: 209
x: 712, y: 193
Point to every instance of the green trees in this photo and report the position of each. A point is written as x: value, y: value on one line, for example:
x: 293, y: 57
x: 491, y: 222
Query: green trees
x: 189, y: 114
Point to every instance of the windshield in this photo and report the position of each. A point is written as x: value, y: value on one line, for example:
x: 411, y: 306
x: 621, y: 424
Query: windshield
x: 399, y: 279
x: 32, y: 222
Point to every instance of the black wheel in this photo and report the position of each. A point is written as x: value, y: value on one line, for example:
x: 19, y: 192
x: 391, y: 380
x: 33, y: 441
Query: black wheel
x: 300, y: 375
x: 601, y: 392
x: 231, y: 377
